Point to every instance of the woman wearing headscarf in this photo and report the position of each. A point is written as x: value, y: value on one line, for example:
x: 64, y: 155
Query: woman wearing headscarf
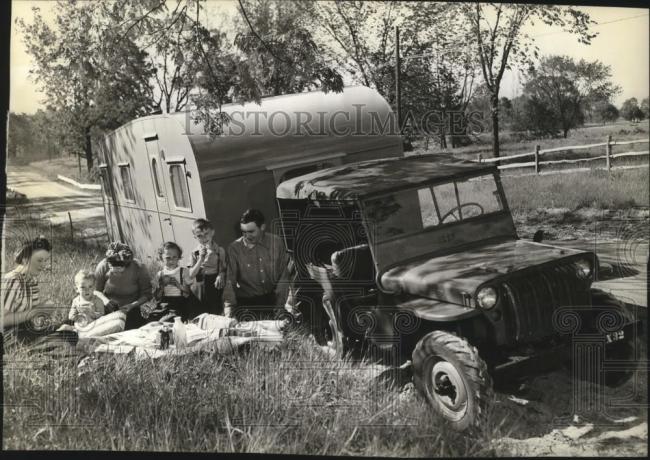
x: 25, y: 316
x: 125, y: 282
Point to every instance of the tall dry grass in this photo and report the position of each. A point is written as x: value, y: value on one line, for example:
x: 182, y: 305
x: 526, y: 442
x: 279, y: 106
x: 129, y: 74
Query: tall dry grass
x: 594, y: 189
x: 293, y: 400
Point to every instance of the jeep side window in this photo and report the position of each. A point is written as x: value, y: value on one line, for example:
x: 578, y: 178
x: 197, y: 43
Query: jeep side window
x: 394, y: 214
x: 481, y: 191
x: 430, y: 212
x: 446, y: 201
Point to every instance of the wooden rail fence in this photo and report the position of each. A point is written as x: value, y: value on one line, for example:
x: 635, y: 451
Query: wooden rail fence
x: 536, y: 163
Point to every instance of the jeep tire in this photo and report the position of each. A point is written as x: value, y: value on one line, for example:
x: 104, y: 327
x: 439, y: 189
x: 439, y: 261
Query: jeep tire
x: 453, y: 378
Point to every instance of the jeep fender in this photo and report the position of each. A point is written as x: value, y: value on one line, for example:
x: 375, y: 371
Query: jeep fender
x: 437, y: 310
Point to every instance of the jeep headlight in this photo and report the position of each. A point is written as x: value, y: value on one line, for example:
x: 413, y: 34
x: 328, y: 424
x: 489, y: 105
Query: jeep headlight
x: 486, y: 298
x: 583, y: 269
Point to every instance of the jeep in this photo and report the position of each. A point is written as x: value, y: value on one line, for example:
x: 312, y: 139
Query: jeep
x: 418, y: 258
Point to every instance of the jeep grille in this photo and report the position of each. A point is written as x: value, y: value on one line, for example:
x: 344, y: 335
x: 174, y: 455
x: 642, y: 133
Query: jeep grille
x: 529, y: 301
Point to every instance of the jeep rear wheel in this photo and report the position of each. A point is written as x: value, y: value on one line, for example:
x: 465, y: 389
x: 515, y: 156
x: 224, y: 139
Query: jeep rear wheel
x: 453, y: 378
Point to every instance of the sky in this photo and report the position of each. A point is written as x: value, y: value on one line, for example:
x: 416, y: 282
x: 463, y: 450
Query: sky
x: 622, y: 43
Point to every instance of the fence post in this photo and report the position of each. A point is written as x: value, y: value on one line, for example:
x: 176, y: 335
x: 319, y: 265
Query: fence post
x: 608, y: 152
x: 71, y: 230
x: 537, y: 159
x: 479, y: 158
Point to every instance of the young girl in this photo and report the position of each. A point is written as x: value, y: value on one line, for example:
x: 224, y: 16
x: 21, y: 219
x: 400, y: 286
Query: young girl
x: 87, y: 310
x: 172, y: 284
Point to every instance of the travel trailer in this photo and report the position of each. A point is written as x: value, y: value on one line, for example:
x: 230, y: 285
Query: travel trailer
x: 161, y: 172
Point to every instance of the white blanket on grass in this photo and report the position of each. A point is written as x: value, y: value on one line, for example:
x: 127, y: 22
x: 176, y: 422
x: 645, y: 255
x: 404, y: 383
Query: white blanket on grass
x: 213, y: 332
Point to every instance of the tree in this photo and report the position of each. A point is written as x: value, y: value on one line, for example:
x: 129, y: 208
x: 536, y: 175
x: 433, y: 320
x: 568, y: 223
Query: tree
x: 644, y: 108
x: 498, y: 31
x: 19, y: 134
x: 359, y: 38
x: 631, y: 111
x: 94, y: 79
x: 535, y: 116
x: 451, y: 84
x: 565, y: 86
x: 606, y: 112
x: 280, y: 54
x: 436, y: 72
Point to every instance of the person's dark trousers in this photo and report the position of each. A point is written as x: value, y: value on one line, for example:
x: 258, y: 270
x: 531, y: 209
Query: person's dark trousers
x: 183, y: 306
x: 180, y: 304
x: 134, y: 319
x: 212, y: 301
x: 256, y: 308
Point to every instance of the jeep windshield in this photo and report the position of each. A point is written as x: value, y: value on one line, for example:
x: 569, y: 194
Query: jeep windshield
x: 435, y: 217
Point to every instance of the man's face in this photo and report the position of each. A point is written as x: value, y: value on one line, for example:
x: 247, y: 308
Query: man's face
x: 252, y: 233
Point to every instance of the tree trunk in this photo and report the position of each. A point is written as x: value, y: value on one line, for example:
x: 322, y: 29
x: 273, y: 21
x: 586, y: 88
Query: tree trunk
x: 443, y: 133
x: 88, y: 149
x: 494, y: 102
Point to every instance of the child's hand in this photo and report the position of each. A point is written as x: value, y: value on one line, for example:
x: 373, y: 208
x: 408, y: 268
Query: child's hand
x: 219, y: 282
x: 203, y: 252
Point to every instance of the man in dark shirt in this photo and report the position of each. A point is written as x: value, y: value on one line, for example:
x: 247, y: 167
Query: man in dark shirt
x: 257, y: 270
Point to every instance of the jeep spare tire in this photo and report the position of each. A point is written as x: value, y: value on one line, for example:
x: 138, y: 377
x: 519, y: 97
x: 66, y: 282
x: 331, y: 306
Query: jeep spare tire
x: 453, y: 378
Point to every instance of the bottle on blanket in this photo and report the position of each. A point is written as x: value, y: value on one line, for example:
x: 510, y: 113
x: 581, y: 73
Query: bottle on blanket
x: 180, y: 334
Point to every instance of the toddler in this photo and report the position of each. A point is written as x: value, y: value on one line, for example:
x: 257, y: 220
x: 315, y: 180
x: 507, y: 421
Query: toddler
x: 87, y: 312
x: 86, y: 307
x: 173, y: 282
x: 208, y: 267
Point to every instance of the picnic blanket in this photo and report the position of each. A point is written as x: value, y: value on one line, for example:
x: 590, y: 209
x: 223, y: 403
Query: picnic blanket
x: 205, y: 332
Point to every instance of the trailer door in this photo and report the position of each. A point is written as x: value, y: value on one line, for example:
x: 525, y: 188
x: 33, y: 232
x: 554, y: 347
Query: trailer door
x: 155, y: 157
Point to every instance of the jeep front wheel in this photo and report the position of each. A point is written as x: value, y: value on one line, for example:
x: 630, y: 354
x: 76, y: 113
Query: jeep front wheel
x: 452, y: 377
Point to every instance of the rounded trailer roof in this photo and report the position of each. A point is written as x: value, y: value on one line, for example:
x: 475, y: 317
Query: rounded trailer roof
x: 290, y: 127
x: 357, y: 180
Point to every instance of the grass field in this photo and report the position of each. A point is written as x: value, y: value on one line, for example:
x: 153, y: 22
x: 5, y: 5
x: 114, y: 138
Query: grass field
x: 512, y: 143
x: 292, y: 400
x: 596, y: 189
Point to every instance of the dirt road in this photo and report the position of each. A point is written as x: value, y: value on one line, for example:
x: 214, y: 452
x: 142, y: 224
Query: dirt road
x: 59, y: 203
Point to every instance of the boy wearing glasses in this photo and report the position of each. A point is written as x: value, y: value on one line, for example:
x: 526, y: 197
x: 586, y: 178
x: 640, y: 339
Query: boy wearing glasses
x: 208, y: 267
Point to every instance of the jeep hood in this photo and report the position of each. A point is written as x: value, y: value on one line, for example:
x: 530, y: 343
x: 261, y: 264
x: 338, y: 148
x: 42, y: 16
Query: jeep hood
x: 453, y: 277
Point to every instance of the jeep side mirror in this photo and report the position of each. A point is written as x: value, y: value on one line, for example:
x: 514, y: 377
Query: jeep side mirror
x: 538, y: 236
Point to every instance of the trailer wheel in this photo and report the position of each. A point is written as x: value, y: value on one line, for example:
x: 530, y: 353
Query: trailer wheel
x: 453, y: 378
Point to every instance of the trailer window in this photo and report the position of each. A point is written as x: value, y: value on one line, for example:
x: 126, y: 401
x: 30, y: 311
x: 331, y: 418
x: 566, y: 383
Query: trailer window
x: 127, y: 185
x: 179, y: 186
x: 156, y: 177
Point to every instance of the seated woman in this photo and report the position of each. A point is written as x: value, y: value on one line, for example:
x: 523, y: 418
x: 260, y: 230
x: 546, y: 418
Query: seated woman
x: 125, y: 283
x: 26, y: 318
